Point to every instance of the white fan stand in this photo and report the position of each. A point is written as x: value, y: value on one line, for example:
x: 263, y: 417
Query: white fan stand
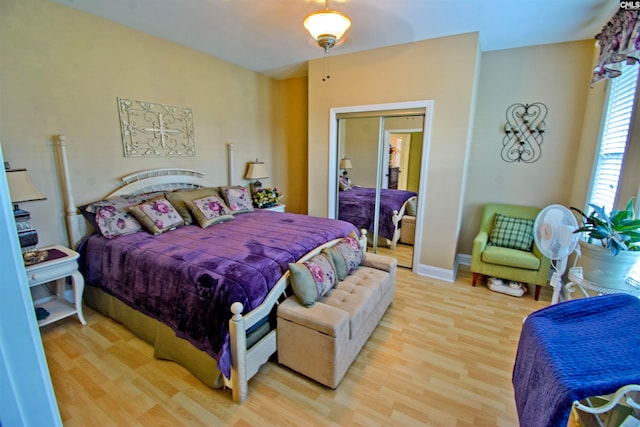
x: 553, y: 232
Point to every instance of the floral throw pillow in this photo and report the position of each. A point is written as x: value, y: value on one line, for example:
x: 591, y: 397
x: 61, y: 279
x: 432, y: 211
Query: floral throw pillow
x: 238, y: 199
x: 112, y: 215
x: 344, y: 183
x: 157, y: 215
x: 311, y: 280
x: 346, y: 255
x: 179, y: 197
x: 209, y: 210
x: 114, y: 222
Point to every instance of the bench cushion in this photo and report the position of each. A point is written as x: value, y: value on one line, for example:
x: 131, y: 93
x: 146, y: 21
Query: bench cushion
x: 359, y: 295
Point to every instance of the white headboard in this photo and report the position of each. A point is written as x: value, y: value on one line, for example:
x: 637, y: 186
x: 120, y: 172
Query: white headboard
x: 136, y: 183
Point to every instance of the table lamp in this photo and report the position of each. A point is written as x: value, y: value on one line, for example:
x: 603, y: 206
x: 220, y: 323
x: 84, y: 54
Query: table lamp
x: 22, y: 189
x: 345, y: 164
x: 256, y: 170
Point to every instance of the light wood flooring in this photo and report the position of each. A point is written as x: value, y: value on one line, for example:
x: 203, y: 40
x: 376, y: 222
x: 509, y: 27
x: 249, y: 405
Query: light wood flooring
x: 441, y: 356
x: 403, y: 253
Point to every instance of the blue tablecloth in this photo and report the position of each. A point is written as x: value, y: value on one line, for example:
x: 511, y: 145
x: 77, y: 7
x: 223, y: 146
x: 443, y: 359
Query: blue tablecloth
x: 574, y: 350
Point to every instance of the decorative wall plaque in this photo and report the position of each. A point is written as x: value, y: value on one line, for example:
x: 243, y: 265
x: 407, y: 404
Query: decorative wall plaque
x: 155, y: 130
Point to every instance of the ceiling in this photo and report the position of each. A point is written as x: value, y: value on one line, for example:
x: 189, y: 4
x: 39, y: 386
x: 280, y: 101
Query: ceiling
x: 267, y: 36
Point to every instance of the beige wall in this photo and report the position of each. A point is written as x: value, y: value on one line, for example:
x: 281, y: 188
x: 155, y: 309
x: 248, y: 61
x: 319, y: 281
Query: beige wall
x: 289, y: 152
x: 442, y: 70
x: 557, y: 75
x: 63, y: 69
x: 61, y: 73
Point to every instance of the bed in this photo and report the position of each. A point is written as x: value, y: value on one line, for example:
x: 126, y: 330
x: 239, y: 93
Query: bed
x: 357, y: 206
x: 203, y: 297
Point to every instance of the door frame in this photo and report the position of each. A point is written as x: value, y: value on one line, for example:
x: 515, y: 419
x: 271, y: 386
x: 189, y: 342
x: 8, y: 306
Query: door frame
x: 387, y: 138
x: 422, y: 189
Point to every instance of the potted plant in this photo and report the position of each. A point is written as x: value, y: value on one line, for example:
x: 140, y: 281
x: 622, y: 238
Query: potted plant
x: 612, y: 247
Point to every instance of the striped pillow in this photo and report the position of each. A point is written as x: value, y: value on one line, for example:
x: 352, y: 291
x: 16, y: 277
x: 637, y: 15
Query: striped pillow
x: 513, y: 233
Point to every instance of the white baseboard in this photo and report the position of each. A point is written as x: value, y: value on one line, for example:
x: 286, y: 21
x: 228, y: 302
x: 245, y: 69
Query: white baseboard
x: 443, y: 273
x: 464, y: 259
x: 436, y: 273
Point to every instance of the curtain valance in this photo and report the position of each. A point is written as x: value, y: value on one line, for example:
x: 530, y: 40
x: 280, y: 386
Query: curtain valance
x: 619, y: 42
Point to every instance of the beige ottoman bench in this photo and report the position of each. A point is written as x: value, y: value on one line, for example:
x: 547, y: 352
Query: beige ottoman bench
x: 323, y: 340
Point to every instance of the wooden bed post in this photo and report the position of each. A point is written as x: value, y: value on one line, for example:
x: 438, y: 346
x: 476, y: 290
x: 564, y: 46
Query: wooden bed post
x: 75, y: 221
x: 239, y: 380
x: 229, y: 164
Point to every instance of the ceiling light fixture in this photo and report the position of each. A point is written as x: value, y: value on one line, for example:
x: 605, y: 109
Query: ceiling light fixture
x: 327, y: 26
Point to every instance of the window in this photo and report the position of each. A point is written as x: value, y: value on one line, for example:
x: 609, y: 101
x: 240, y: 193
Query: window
x: 617, y: 120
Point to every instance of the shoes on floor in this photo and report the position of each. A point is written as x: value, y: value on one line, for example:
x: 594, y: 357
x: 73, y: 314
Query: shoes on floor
x: 511, y: 287
x: 495, y: 281
x: 41, y: 313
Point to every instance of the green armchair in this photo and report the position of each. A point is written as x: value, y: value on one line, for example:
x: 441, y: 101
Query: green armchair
x: 488, y: 259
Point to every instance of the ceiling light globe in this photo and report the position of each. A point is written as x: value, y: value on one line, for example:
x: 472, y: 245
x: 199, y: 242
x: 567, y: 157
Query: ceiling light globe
x: 327, y: 25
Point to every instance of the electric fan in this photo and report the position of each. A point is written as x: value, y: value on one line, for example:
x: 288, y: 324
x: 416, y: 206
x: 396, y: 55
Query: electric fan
x: 554, y: 236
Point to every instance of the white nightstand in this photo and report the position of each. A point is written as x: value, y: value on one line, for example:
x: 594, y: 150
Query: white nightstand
x: 276, y: 208
x: 62, y: 263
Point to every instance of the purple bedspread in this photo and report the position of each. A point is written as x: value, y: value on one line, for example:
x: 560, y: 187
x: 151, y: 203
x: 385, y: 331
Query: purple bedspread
x: 357, y: 206
x: 189, y: 277
x: 574, y: 350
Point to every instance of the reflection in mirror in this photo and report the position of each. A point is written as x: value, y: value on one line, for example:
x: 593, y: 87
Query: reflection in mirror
x: 379, y: 155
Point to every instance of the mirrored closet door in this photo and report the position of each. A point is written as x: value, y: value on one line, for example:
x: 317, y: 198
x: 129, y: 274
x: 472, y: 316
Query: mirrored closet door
x: 379, y: 156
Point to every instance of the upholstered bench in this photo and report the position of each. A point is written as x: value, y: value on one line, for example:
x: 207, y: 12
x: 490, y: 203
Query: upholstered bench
x: 321, y: 341
x: 408, y: 230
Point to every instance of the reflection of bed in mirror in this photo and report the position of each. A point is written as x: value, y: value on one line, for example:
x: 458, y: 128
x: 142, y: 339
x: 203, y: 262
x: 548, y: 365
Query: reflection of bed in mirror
x: 357, y: 206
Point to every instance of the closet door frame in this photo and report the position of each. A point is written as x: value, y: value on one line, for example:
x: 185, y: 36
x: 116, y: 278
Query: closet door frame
x: 333, y: 159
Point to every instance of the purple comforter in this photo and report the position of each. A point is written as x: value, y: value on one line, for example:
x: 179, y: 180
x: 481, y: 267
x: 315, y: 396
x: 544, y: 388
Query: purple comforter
x: 357, y: 206
x: 189, y: 277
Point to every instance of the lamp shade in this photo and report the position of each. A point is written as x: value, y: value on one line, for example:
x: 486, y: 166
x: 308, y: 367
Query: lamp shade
x: 256, y: 170
x: 21, y: 187
x: 327, y: 22
x: 345, y: 164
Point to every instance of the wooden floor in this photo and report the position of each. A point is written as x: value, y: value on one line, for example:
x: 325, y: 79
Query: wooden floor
x: 441, y: 356
x: 403, y: 253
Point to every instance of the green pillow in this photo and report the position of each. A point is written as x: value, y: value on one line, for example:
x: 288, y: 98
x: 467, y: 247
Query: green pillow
x: 512, y: 233
x: 311, y: 280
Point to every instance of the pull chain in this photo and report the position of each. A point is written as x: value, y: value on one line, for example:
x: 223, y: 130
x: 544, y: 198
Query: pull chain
x: 325, y: 66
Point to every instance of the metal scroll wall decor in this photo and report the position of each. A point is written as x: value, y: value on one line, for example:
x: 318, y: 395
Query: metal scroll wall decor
x: 523, y: 132
x: 155, y: 130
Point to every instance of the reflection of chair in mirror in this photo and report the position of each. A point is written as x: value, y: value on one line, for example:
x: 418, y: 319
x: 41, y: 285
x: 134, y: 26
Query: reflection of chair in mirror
x: 504, y: 247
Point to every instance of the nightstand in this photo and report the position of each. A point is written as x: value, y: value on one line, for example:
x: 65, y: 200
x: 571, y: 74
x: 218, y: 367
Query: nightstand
x: 61, y: 263
x: 276, y: 208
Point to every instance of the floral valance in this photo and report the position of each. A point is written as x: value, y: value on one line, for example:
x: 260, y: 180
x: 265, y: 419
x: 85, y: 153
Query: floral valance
x: 619, y: 42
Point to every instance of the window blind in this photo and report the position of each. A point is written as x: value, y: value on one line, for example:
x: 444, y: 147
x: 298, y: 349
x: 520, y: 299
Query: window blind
x: 618, y: 115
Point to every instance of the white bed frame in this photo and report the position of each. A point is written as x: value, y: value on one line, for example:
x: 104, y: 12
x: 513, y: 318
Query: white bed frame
x: 245, y: 363
x: 397, y: 217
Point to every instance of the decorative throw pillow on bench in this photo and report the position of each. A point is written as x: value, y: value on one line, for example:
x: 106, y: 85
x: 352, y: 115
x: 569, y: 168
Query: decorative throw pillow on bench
x: 313, y: 279
x: 346, y: 255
